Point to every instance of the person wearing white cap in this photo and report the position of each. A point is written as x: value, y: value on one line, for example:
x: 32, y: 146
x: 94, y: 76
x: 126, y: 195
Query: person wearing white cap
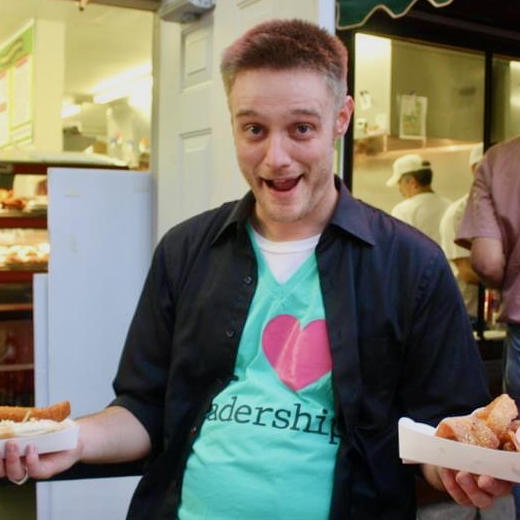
x: 422, y: 208
x: 458, y: 256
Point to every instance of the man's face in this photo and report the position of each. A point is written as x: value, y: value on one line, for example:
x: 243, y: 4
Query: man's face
x: 406, y: 186
x: 284, y: 126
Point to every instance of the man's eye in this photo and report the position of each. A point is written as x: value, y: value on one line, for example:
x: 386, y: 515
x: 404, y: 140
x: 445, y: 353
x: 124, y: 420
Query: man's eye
x: 254, y: 130
x: 303, y: 129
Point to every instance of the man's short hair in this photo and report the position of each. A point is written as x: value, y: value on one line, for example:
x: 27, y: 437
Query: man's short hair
x: 285, y: 45
x: 422, y: 176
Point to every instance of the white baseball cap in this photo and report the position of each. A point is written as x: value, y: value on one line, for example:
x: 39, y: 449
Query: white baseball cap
x: 406, y: 164
x: 476, y: 154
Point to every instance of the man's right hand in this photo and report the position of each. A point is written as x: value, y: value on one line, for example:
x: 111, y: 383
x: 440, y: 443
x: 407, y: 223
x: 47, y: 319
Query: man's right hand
x: 18, y: 465
x: 110, y: 436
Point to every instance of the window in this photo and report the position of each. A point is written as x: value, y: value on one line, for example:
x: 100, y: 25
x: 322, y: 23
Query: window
x: 505, y: 121
x: 414, y: 98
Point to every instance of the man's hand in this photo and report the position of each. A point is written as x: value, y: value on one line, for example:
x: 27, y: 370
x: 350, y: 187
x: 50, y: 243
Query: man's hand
x: 110, y: 436
x: 465, y: 488
x: 18, y: 465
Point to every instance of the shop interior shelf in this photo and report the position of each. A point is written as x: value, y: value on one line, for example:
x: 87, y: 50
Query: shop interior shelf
x: 13, y: 276
x: 23, y: 221
x: 16, y: 367
x: 12, y: 307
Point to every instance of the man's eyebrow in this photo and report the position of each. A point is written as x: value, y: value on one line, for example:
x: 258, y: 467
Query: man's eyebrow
x: 306, y: 112
x: 249, y: 112
x: 246, y: 112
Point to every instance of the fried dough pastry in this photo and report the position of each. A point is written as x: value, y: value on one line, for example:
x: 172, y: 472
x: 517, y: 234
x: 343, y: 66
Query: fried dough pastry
x: 57, y: 412
x: 468, y: 429
x: 494, y: 426
x: 498, y: 414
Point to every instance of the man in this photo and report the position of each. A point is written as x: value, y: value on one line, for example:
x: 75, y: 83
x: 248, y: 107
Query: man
x: 422, y: 208
x: 491, y: 228
x: 279, y: 338
x: 458, y: 256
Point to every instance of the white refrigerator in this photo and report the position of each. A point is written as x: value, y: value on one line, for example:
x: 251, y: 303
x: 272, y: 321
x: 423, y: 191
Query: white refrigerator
x: 100, y: 233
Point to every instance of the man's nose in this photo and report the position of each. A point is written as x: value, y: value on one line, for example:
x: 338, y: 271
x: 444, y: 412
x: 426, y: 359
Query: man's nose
x: 277, y: 155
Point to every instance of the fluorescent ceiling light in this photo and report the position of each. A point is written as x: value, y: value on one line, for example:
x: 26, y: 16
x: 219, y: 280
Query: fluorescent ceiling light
x: 134, y: 88
x: 120, y: 79
x: 372, y: 47
x: 70, y: 110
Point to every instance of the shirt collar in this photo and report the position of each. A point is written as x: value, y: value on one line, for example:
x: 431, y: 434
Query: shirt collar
x: 350, y: 215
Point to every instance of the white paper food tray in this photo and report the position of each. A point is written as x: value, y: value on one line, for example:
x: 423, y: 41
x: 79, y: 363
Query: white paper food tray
x: 60, y: 440
x: 417, y: 443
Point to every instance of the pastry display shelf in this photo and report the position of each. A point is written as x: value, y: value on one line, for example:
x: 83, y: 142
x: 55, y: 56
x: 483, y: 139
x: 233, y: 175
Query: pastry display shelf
x: 21, y: 367
x: 14, y: 276
x: 19, y: 220
x: 40, y: 168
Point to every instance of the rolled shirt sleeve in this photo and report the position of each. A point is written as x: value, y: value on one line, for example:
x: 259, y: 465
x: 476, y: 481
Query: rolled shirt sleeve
x: 480, y: 218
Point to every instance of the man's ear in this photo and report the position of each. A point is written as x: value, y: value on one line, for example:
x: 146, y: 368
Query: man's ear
x: 414, y: 184
x: 344, y: 115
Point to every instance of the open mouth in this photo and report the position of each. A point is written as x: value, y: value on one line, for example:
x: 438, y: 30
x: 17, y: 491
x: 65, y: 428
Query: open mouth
x: 282, y: 184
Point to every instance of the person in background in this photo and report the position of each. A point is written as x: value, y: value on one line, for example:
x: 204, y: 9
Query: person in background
x: 279, y: 338
x: 422, y: 207
x: 458, y: 256
x: 491, y: 228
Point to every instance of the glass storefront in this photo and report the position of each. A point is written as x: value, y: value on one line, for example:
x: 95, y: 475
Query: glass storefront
x: 414, y: 98
x: 505, y: 121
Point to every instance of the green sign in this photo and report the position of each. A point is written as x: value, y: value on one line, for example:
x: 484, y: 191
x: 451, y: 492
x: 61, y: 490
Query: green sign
x: 354, y: 13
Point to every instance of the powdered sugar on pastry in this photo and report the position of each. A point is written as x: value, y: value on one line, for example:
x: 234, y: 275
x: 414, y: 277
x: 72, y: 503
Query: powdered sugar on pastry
x: 10, y: 429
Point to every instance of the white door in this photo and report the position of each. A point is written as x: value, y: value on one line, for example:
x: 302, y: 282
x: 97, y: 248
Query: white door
x: 194, y: 161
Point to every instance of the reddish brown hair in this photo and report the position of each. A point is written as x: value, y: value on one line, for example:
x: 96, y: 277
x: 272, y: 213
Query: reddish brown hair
x: 288, y: 44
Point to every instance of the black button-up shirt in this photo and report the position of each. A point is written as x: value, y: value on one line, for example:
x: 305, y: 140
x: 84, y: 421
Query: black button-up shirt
x: 400, y: 340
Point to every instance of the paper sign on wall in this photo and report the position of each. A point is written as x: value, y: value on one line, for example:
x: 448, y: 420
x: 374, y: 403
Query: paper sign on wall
x: 16, y: 78
x: 412, y: 116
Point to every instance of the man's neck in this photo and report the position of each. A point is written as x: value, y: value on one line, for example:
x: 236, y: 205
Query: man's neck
x: 308, y: 226
x: 423, y: 189
x: 285, y: 231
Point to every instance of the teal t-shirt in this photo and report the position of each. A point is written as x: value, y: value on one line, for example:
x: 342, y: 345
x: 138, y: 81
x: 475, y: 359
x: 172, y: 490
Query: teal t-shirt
x: 267, y: 447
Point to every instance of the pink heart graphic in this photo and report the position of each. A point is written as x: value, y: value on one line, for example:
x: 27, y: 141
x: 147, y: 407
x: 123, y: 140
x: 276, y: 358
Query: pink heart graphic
x: 299, y: 356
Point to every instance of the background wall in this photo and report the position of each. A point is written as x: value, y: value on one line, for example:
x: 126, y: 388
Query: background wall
x: 452, y: 81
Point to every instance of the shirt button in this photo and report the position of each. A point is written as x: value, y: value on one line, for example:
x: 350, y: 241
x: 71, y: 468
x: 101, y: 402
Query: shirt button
x: 230, y: 333
x: 248, y: 280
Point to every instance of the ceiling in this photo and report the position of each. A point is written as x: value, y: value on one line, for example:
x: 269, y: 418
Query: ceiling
x: 100, y: 42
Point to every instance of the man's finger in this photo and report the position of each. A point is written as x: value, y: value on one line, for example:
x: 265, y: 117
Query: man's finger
x: 479, y: 498
x: 493, y: 486
x: 447, y: 477
x: 32, y: 461
x: 14, y: 467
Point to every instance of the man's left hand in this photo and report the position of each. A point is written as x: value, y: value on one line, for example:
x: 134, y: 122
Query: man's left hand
x: 465, y: 488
